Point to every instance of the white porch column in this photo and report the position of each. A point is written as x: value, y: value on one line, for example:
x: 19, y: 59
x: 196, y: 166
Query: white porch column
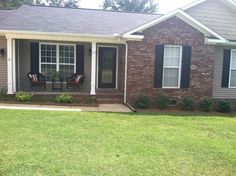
x: 9, y: 67
x: 93, y: 68
x: 14, y: 65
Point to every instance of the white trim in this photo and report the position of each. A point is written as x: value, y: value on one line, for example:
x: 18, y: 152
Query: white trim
x: 93, y: 68
x: 230, y: 68
x: 14, y: 65
x: 56, y: 34
x: 87, y: 37
x: 18, y: 64
x: 9, y: 67
x: 179, y: 67
x: 182, y: 15
x: 57, y: 56
x: 126, y: 72
x: 220, y: 42
x: 117, y: 58
x: 133, y: 37
x: 66, y: 38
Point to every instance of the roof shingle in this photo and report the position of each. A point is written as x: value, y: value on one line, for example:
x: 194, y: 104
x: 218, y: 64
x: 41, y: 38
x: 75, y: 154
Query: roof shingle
x: 77, y: 21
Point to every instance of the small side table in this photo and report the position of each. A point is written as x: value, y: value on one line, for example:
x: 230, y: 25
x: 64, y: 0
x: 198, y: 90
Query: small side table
x: 57, y: 86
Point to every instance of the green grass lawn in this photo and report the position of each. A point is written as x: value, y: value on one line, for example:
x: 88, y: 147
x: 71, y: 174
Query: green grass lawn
x: 66, y: 143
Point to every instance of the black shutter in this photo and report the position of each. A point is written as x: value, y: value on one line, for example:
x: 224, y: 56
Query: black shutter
x: 80, y: 59
x: 186, y: 64
x: 159, y: 65
x: 226, y: 68
x: 34, y: 57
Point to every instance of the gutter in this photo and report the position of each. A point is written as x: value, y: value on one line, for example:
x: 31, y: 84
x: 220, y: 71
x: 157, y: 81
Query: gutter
x: 220, y: 42
x: 126, y: 71
x: 11, y: 33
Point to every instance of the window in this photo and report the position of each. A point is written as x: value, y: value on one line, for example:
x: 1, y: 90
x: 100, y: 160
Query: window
x: 57, y: 57
x: 66, y: 60
x: 172, y: 66
x: 233, y: 69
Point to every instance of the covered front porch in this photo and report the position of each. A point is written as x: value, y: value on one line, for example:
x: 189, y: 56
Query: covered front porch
x: 100, y: 61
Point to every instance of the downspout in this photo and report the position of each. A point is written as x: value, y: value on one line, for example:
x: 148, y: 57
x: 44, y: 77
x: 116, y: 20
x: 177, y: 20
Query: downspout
x: 126, y: 72
x: 126, y: 78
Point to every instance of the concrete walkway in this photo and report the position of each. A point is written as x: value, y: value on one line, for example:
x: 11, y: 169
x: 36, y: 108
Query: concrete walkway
x: 100, y: 108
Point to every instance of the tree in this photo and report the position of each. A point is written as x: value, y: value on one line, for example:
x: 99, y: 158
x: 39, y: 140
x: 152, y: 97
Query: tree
x: 142, y: 6
x: 58, y: 3
x: 13, y: 4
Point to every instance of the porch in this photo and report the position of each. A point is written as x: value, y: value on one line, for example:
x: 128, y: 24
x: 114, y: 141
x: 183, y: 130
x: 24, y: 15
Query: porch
x: 101, y: 63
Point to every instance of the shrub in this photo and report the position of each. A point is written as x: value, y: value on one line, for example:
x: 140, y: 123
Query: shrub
x: 64, y: 98
x: 142, y: 101
x: 206, y: 104
x: 162, y: 101
x: 224, y: 106
x: 188, y: 104
x: 3, y: 91
x: 23, y: 97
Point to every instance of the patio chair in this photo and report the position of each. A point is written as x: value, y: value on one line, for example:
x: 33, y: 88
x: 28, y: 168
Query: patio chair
x: 75, y: 81
x: 36, y: 80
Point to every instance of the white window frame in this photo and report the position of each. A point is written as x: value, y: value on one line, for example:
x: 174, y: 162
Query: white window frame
x: 57, y: 56
x: 231, y: 69
x: 179, y: 67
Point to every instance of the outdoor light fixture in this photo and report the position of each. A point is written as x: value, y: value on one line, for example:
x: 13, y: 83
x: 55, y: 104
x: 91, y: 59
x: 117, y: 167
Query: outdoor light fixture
x: 1, y: 52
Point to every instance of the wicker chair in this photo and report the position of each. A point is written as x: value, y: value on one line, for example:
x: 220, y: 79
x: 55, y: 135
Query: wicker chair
x: 36, y: 80
x: 75, y: 81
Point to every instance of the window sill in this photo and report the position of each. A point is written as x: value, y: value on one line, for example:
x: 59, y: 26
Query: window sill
x: 170, y: 87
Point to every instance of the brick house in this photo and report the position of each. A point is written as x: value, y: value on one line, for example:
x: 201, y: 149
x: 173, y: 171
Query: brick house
x: 188, y: 52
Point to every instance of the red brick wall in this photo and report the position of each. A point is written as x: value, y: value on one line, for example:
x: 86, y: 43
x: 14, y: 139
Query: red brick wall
x: 141, y: 61
x: 121, y: 68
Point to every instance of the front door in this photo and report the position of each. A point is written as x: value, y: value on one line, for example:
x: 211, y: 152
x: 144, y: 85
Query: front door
x: 107, y: 67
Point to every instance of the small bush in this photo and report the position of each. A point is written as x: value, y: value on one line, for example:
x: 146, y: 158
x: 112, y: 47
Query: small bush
x: 162, y: 101
x: 206, y: 104
x: 3, y: 91
x: 64, y: 98
x: 23, y: 97
x: 224, y: 106
x: 2, y: 94
x: 188, y: 104
x: 142, y: 101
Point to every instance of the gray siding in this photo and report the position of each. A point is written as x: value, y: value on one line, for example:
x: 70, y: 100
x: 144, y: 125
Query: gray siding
x: 24, y: 66
x: 3, y: 64
x: 217, y: 16
x: 218, y: 91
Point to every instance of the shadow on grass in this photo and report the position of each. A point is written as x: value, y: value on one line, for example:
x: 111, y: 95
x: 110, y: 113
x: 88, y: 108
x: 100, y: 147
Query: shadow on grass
x: 189, y: 114
x: 177, y: 114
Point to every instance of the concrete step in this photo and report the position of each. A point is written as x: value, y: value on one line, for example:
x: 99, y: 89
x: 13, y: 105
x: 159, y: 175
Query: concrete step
x: 110, y: 98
